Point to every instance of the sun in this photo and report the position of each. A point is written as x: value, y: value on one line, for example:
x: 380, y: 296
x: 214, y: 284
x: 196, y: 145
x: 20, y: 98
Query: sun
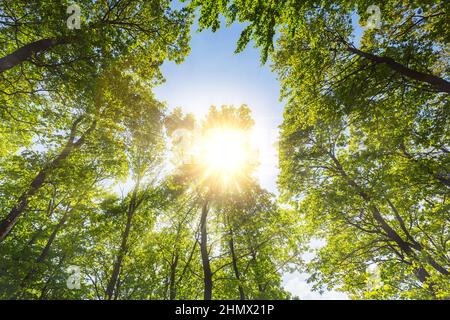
x: 224, y: 151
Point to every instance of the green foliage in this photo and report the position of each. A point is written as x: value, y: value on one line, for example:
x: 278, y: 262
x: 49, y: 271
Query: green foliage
x: 85, y: 161
x: 364, y: 151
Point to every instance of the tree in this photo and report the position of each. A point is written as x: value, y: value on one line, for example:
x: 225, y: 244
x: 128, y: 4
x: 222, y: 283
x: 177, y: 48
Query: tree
x: 237, y: 218
x: 144, y: 145
x: 324, y: 29
x: 122, y: 33
x: 87, y: 184
x: 259, y: 240
x: 364, y: 145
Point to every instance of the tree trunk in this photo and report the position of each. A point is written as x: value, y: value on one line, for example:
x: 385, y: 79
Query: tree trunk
x: 7, y: 224
x: 261, y: 289
x: 186, y: 266
x: 438, y: 83
x: 42, y: 255
x: 27, y: 51
x: 405, y: 246
x: 440, y: 176
x: 173, y: 271
x: 235, y: 266
x: 45, y: 289
x: 46, y: 249
x: 50, y: 240
x: 112, y: 284
x: 207, y: 293
x: 443, y: 178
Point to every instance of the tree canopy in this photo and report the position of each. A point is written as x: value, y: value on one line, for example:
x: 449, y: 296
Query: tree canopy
x: 106, y: 193
x: 364, y: 142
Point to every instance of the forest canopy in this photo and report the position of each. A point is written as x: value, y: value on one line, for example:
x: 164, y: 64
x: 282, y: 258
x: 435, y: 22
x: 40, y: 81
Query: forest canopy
x: 364, y: 153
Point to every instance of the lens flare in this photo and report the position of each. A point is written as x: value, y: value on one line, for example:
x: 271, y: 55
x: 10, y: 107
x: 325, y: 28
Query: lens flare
x: 224, y: 151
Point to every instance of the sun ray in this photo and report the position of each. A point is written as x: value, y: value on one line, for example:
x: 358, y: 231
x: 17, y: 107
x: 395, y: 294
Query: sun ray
x: 224, y: 156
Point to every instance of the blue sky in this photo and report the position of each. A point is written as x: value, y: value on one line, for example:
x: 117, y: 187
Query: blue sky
x: 213, y: 75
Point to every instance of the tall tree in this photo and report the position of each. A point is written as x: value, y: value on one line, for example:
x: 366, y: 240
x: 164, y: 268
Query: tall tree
x: 136, y: 36
x: 364, y: 147
x: 229, y: 200
x: 144, y: 146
